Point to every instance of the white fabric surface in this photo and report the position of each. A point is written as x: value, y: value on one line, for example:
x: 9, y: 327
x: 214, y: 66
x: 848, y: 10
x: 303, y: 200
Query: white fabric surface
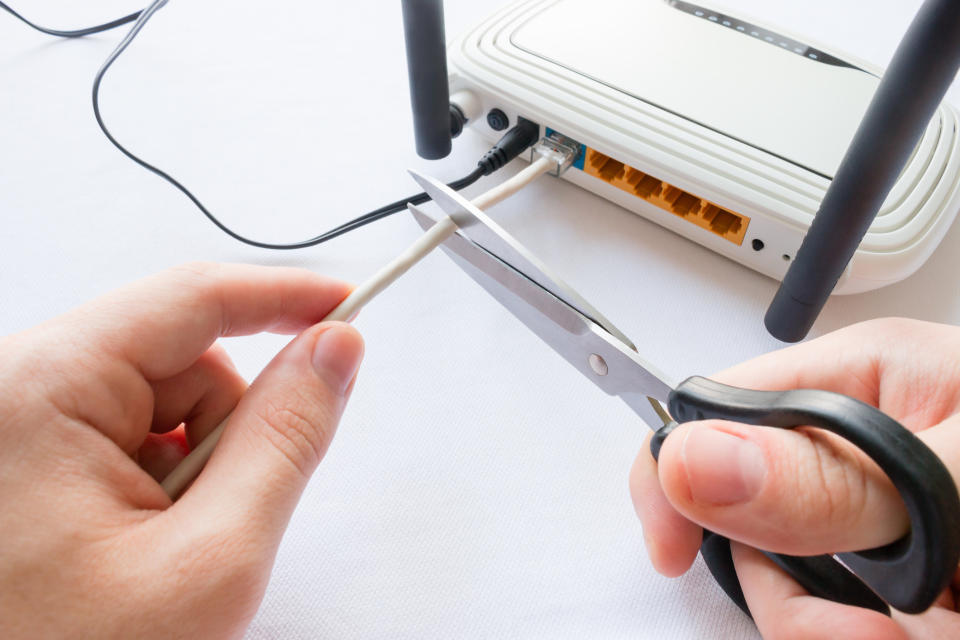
x: 477, y: 487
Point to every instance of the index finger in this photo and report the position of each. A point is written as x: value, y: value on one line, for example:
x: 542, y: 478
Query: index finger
x: 906, y: 368
x: 163, y: 323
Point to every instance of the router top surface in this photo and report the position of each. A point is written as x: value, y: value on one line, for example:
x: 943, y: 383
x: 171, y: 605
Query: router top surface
x: 744, y: 81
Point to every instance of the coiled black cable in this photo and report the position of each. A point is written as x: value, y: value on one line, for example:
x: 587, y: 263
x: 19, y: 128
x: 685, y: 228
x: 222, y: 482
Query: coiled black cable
x: 513, y: 143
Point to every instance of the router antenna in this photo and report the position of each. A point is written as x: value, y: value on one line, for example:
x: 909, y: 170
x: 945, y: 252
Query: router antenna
x: 912, y: 88
x: 427, y: 68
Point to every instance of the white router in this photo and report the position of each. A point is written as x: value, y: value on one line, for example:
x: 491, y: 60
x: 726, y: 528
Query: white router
x: 718, y: 127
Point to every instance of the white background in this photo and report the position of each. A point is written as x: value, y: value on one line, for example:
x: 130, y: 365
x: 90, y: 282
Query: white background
x: 478, y: 486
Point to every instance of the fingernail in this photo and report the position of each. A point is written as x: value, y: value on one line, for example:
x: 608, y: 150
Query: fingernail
x: 722, y: 469
x: 337, y: 355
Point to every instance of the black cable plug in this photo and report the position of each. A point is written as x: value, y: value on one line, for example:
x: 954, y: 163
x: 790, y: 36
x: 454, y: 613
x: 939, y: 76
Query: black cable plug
x: 514, y: 142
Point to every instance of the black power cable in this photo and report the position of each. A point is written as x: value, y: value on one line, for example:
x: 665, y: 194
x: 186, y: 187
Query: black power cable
x: 511, y: 145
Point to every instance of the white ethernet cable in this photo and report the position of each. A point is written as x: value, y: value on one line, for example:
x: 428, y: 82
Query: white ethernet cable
x: 190, y: 467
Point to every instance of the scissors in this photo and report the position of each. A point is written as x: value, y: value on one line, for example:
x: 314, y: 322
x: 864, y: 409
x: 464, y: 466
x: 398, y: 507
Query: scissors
x: 908, y: 574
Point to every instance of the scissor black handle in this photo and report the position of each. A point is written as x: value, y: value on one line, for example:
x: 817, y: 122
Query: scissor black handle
x: 910, y: 573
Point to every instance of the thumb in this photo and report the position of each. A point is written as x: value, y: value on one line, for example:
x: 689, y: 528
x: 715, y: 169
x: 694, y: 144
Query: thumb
x: 800, y: 492
x: 278, y: 434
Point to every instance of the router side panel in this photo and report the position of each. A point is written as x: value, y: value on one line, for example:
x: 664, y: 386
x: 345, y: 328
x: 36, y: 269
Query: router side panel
x: 873, y: 269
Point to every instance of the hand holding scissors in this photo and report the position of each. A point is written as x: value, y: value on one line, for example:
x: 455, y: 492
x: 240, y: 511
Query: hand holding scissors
x: 908, y: 572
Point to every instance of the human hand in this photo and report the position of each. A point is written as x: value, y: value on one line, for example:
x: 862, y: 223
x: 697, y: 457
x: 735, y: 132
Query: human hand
x: 804, y: 491
x: 90, y: 546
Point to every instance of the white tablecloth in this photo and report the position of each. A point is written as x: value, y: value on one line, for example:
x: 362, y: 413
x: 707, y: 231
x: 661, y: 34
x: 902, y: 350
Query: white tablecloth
x: 478, y: 485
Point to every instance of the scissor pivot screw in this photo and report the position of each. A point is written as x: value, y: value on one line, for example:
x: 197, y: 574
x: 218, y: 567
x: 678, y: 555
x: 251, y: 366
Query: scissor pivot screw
x: 599, y: 365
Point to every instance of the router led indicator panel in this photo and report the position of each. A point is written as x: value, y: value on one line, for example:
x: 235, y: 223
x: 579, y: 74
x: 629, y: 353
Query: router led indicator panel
x: 776, y: 39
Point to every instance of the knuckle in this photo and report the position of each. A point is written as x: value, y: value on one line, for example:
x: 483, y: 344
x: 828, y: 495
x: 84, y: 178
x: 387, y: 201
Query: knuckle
x: 203, y: 283
x: 834, y: 492
x: 301, y: 436
x: 198, y: 277
x: 196, y: 271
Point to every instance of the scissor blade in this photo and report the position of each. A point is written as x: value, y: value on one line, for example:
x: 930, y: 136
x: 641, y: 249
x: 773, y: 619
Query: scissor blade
x: 481, y: 229
x: 609, y: 363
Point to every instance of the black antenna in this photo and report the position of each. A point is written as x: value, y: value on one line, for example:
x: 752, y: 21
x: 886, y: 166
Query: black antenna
x: 912, y: 88
x: 427, y: 67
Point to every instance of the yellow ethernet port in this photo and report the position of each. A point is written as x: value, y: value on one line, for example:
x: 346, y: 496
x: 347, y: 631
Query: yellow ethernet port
x: 726, y: 224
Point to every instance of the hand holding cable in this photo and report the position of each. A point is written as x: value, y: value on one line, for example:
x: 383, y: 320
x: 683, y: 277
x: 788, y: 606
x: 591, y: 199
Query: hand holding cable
x: 191, y: 466
x: 95, y: 402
